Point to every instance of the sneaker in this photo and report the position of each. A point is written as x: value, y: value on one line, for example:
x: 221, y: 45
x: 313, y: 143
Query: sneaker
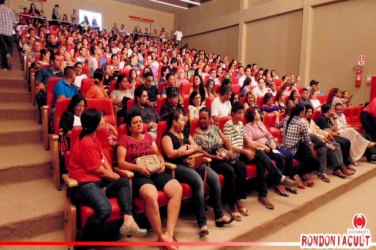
x: 129, y: 232
x: 266, y: 203
x: 323, y: 177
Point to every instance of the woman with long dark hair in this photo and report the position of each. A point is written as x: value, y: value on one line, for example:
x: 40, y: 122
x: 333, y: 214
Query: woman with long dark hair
x: 176, y: 147
x: 93, y: 172
x: 296, y: 139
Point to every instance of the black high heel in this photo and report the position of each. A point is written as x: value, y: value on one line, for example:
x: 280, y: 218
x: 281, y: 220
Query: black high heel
x: 222, y: 223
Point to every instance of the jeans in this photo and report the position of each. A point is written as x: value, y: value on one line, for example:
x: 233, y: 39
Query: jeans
x: 322, y: 152
x: 194, y: 178
x: 6, y: 47
x: 262, y: 162
x: 284, y: 161
x: 234, y: 179
x: 90, y: 194
x: 345, y: 148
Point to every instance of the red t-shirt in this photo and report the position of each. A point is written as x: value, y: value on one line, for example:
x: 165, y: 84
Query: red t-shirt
x: 136, y: 148
x: 86, y: 156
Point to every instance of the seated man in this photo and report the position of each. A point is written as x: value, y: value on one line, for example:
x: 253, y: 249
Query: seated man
x: 326, y: 147
x: 151, y: 89
x: 221, y: 105
x: 42, y: 77
x: 148, y: 113
x: 247, y: 151
x: 325, y: 123
x: 65, y: 87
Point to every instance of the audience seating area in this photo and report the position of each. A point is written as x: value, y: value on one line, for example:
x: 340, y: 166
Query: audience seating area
x: 76, y: 217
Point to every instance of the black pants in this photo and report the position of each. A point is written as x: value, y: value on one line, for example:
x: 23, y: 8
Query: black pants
x: 308, y: 162
x: 345, y: 148
x: 369, y: 124
x: 6, y: 47
x: 262, y: 162
x: 234, y: 179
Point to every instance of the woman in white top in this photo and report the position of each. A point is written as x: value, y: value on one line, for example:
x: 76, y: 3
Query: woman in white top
x: 316, y: 104
x: 195, y: 104
x: 122, y: 93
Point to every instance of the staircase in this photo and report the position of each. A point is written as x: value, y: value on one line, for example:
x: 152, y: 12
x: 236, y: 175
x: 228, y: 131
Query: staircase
x: 30, y: 205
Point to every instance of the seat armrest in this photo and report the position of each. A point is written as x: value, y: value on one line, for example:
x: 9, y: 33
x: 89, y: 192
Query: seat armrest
x: 124, y: 173
x: 54, y: 154
x: 170, y: 165
x: 70, y: 182
x: 45, y: 120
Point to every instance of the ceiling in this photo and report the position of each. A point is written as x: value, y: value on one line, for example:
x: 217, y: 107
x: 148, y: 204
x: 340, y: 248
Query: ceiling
x: 164, y: 7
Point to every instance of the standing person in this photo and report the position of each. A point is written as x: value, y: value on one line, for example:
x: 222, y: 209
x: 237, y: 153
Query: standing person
x: 8, y: 21
x: 74, y: 17
x: 178, y: 36
x: 55, y: 14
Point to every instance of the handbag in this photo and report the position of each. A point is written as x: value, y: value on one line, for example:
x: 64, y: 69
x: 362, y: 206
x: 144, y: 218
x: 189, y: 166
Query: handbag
x: 62, y: 142
x: 195, y: 160
x: 151, y: 162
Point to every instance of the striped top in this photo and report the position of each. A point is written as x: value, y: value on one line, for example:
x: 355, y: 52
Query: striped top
x: 7, y: 20
x: 235, y: 133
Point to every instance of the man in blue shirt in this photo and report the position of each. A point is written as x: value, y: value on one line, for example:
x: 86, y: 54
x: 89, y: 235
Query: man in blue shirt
x: 42, y: 76
x: 65, y: 87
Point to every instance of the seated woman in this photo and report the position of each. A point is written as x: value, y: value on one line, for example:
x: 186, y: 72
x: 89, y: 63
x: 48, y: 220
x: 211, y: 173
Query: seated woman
x: 195, y: 104
x: 250, y: 100
x: 146, y: 184
x: 296, y: 139
x: 269, y: 105
x: 257, y: 133
x: 121, y: 94
x: 212, y: 140
x: 280, y: 100
x: 92, y: 171
x: 177, y: 146
x: 359, y: 145
x: 292, y: 100
x: 72, y: 117
x: 97, y: 89
x: 210, y: 89
x: 198, y: 85
x: 335, y: 96
x: 316, y: 104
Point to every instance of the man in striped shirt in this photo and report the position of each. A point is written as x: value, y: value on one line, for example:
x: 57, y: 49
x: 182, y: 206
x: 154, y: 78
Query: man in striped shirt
x: 250, y: 153
x: 7, y: 21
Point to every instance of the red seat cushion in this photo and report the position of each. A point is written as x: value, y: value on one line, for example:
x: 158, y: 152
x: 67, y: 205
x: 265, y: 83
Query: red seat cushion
x: 86, y: 212
x: 251, y: 171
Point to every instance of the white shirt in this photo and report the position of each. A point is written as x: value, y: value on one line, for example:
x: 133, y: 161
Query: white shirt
x: 242, y: 78
x: 260, y: 92
x: 77, y: 121
x: 78, y: 80
x: 219, y: 108
x: 315, y: 103
x: 179, y: 35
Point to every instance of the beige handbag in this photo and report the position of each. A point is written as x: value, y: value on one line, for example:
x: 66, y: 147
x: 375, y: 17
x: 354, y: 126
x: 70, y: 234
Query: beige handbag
x: 195, y: 160
x: 151, y: 162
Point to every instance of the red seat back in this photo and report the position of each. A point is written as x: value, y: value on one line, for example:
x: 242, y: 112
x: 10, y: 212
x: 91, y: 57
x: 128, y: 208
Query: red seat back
x: 209, y: 101
x: 60, y: 107
x: 162, y: 127
x: 269, y: 120
x: 50, y: 90
x: 260, y: 101
x: 85, y: 85
x: 130, y: 104
x: 112, y: 87
x: 322, y: 98
x: 316, y: 115
x: 160, y: 102
x: 222, y: 121
x: 185, y: 88
x: 106, y: 106
x: 235, y: 88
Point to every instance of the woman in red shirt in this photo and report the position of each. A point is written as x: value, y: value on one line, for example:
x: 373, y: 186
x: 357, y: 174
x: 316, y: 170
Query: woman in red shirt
x: 94, y: 174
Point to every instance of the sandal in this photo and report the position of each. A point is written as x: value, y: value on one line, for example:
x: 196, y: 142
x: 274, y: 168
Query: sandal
x: 243, y: 211
x: 299, y: 181
x: 292, y: 190
x: 236, y: 215
x: 309, y: 183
